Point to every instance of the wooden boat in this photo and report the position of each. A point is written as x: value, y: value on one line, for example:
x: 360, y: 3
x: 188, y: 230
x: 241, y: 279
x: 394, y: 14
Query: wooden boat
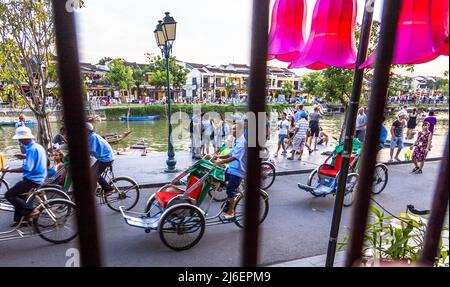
x: 27, y: 123
x: 144, y: 118
x: 115, y: 137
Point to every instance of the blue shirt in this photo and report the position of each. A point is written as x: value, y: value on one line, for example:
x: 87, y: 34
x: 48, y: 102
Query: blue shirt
x: 100, y: 148
x: 20, y: 124
x: 383, y: 136
x: 239, y: 152
x: 35, y: 165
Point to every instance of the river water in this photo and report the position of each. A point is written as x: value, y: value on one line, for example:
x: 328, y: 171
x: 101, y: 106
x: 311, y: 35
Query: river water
x: 155, y: 133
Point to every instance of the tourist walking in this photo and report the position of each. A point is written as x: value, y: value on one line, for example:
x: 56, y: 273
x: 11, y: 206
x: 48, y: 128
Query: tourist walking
x: 291, y: 130
x: 207, y: 134
x: 412, y: 123
x: 397, y: 135
x: 221, y: 131
x: 421, y: 148
x: 283, y: 126
x: 300, y: 138
x: 432, y: 120
x: 314, y: 126
x: 361, y: 125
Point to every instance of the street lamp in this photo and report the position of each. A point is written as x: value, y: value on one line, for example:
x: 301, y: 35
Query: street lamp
x: 165, y: 34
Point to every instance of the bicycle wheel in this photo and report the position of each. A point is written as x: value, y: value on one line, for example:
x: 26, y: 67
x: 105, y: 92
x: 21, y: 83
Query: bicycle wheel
x: 350, y: 187
x: 219, y: 195
x: 45, y: 194
x: 57, y: 221
x: 181, y: 226
x: 267, y: 175
x: 380, y: 178
x: 4, y: 187
x: 127, y: 194
x: 239, y: 209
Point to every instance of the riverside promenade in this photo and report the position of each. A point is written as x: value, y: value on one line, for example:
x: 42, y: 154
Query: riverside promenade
x: 149, y: 172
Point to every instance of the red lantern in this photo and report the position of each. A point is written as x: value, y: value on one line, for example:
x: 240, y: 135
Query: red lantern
x: 331, y: 42
x: 422, y: 33
x: 287, y: 31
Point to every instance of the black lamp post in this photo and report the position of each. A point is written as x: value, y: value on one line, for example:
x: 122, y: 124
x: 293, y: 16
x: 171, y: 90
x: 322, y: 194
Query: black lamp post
x: 165, y: 34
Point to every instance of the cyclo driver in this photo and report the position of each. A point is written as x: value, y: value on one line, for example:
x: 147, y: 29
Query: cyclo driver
x: 100, y: 149
x: 237, y: 160
x: 34, y: 172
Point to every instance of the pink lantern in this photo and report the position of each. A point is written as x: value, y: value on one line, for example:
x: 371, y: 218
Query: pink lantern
x: 287, y: 31
x: 331, y: 42
x: 422, y: 33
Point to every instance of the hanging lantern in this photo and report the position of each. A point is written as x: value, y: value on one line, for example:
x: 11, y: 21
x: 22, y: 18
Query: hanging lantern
x: 331, y: 42
x: 287, y: 31
x: 422, y: 33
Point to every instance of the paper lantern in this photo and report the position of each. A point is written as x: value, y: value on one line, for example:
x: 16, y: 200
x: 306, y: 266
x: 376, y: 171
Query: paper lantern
x: 422, y: 33
x: 287, y: 31
x: 331, y: 42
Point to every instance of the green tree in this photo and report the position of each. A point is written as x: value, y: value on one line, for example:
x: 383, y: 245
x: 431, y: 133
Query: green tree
x: 288, y: 89
x: 104, y: 60
x: 157, y: 67
x: 119, y: 76
x: 336, y: 85
x: 139, y: 77
x: 311, y: 83
x: 230, y: 87
x: 27, y: 46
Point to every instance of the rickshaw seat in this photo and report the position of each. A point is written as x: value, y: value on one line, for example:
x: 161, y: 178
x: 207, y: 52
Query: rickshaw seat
x: 332, y: 170
x: 163, y: 197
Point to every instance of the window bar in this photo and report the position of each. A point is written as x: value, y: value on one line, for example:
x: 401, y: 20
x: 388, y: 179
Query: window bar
x: 256, y: 105
x: 350, y: 123
x: 377, y: 103
x: 438, y: 213
x: 74, y: 118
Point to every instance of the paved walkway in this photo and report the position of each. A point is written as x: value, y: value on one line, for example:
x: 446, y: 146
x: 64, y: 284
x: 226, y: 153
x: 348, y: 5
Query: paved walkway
x: 314, y: 261
x: 149, y: 171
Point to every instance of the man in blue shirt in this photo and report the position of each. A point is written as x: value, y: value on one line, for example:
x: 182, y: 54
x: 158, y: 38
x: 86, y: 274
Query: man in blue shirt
x: 34, y: 172
x: 237, y: 160
x: 100, y: 149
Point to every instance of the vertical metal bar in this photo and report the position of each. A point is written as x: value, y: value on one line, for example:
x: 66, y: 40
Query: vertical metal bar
x: 350, y: 118
x: 170, y: 151
x: 256, y: 104
x: 438, y: 212
x: 377, y: 102
x: 74, y: 118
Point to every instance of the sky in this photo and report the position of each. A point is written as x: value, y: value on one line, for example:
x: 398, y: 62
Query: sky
x: 208, y: 31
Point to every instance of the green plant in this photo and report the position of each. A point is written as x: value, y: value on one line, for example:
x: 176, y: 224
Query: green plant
x: 399, y: 238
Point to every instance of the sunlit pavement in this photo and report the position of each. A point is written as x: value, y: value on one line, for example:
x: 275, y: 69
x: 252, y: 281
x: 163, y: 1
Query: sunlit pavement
x: 297, y: 227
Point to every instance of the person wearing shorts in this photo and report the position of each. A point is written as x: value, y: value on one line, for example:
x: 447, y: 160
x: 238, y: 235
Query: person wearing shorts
x: 300, y: 138
x: 314, y: 126
x: 397, y: 135
x: 283, y: 126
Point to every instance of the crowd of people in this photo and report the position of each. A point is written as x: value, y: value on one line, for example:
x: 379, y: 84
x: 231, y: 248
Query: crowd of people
x: 415, y: 99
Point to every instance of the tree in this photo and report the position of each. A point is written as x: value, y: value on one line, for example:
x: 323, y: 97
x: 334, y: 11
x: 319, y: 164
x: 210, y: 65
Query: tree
x: 104, y: 60
x: 336, y: 85
x: 230, y: 87
x: 27, y: 46
x: 139, y: 77
x: 288, y: 89
x: 157, y: 67
x: 311, y: 82
x: 120, y: 76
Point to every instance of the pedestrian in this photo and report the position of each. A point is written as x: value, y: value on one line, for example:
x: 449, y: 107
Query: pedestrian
x: 283, y: 126
x: 291, y: 130
x: 300, y: 138
x: 196, y: 135
x: 34, y: 172
x: 421, y: 147
x: 207, y: 133
x: 59, y: 138
x: 323, y: 137
x: 432, y: 120
x: 361, y: 125
x: 221, y: 131
x: 22, y: 121
x: 383, y: 135
x: 314, y: 126
x: 397, y: 135
x: 412, y: 123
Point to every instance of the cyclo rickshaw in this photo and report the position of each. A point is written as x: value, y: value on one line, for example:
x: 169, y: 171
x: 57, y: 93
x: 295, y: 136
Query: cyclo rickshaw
x: 176, y: 213
x: 56, y: 222
x: 322, y: 181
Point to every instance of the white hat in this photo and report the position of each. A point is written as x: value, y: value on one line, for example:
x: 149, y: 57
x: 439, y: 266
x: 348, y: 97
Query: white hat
x: 90, y: 127
x: 402, y: 113
x: 23, y: 133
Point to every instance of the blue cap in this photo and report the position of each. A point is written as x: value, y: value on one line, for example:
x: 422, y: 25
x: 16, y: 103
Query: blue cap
x: 304, y: 114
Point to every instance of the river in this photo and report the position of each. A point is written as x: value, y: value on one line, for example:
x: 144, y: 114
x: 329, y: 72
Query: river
x: 155, y: 133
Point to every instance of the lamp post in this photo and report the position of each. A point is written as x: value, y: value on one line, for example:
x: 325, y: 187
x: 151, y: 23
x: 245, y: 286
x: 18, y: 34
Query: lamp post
x: 165, y: 34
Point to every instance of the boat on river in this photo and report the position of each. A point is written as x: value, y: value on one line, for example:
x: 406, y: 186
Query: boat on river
x: 143, y: 118
x: 115, y: 137
x: 28, y: 123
